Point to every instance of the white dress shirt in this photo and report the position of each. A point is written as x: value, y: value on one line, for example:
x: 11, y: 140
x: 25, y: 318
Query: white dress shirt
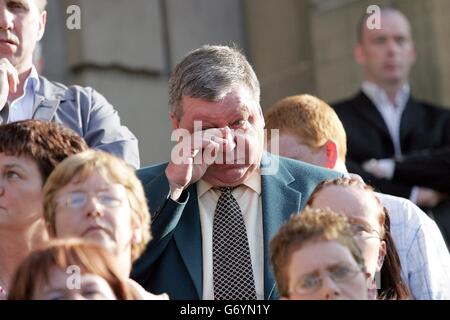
x: 248, y: 197
x: 391, y: 112
x: 23, y: 107
x: 392, y: 116
x: 421, y: 248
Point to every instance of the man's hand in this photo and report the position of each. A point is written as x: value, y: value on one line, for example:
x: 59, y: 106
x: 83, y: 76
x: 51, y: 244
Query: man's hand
x: 429, y: 198
x: 192, y: 156
x: 9, y: 80
x: 382, y: 169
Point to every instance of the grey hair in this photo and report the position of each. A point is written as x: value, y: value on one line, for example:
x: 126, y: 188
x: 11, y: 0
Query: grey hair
x: 41, y: 4
x: 210, y: 73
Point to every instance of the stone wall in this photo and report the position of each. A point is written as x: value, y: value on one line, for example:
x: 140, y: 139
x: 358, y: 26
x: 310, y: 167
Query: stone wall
x: 126, y: 49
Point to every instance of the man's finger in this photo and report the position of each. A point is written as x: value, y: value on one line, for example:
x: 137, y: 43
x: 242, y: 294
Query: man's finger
x: 210, y: 153
x: 12, y: 74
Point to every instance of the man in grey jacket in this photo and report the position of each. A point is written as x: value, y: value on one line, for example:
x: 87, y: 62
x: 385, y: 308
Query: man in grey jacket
x: 26, y: 95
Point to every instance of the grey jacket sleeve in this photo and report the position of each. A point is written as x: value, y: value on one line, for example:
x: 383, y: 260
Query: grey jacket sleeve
x: 103, y: 131
x: 88, y: 113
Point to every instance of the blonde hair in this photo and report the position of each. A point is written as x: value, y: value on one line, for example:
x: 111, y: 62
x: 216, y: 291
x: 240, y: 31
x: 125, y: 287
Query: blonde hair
x: 308, y: 118
x: 113, y: 170
x: 310, y: 225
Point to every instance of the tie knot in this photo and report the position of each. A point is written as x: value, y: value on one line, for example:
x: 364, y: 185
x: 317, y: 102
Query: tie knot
x: 226, y: 190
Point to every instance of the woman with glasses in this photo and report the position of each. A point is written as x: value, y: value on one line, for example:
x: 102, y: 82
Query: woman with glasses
x: 370, y: 224
x: 96, y: 196
x: 315, y: 257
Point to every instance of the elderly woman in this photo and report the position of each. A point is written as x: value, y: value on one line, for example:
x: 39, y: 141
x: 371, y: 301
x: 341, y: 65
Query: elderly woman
x: 371, y: 227
x: 29, y: 151
x: 88, y: 268
x: 315, y: 257
x: 96, y: 196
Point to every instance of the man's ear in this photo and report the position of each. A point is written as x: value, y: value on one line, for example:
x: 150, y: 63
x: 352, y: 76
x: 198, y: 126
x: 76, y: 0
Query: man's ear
x: 174, y: 120
x: 358, y: 54
x: 42, y: 24
x: 414, y: 53
x: 331, y: 154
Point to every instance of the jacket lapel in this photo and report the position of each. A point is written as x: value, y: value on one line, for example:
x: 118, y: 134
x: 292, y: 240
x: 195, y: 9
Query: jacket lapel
x: 279, y: 201
x: 188, y: 237
x: 411, y: 117
x: 365, y: 108
x: 45, y: 109
x: 47, y: 99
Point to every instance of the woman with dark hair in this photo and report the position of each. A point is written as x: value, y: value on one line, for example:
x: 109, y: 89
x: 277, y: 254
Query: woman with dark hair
x: 371, y: 226
x: 29, y: 150
x: 69, y: 270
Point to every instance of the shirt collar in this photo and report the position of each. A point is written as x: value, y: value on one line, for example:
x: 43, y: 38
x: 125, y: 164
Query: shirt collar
x: 32, y: 81
x: 31, y: 85
x: 379, y: 96
x: 253, y: 182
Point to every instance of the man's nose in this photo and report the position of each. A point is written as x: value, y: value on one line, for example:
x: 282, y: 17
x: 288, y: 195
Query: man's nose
x: 330, y: 290
x: 392, y: 46
x: 6, y: 18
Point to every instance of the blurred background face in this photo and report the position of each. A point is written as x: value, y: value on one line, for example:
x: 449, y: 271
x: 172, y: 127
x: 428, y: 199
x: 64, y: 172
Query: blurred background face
x: 242, y: 115
x: 91, y: 287
x: 95, y: 209
x: 21, y: 200
x: 319, y: 260
x: 363, y: 213
x: 387, y: 54
x: 21, y: 27
x: 291, y: 147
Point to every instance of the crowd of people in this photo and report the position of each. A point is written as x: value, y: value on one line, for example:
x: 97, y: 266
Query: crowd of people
x: 250, y: 206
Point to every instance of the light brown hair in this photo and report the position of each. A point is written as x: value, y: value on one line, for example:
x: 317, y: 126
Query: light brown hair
x: 311, y: 225
x: 91, y: 258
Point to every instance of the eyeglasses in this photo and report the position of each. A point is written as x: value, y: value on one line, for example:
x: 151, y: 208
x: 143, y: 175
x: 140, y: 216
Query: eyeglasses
x: 364, y: 232
x: 77, y: 200
x: 312, y: 282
